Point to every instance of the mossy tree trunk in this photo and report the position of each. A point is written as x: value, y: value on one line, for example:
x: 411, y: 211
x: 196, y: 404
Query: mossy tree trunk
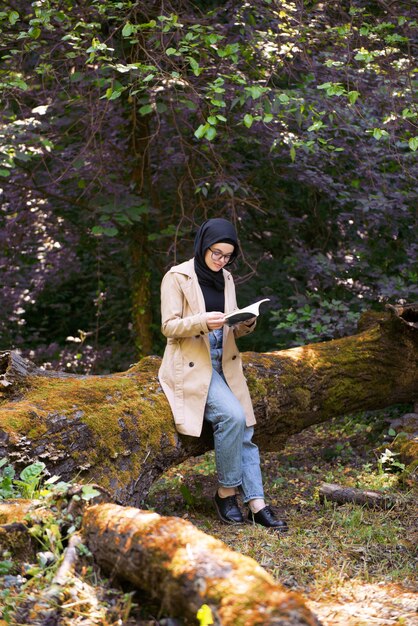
x: 117, y: 430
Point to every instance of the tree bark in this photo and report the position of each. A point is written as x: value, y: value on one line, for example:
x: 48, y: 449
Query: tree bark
x: 184, y: 568
x: 363, y: 497
x: 117, y: 430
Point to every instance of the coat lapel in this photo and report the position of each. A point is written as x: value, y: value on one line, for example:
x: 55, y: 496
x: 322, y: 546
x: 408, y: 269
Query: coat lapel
x: 192, y: 291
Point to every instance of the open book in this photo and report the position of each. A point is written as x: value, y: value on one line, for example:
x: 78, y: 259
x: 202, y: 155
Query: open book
x: 241, y: 315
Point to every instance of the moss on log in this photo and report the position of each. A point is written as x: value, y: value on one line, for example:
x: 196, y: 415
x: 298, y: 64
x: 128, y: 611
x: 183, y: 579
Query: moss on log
x: 117, y: 430
x: 184, y: 568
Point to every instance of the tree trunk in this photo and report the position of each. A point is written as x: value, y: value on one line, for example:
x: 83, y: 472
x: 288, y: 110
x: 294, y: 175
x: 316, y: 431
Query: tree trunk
x: 117, y: 430
x: 139, y: 149
x: 184, y: 568
x: 141, y: 289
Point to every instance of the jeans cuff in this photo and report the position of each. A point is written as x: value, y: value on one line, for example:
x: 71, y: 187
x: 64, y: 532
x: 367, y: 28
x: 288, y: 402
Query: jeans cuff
x: 246, y: 499
x: 228, y: 486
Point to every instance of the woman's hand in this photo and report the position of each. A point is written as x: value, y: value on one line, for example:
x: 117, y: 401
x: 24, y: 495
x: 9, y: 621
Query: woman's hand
x: 215, y: 320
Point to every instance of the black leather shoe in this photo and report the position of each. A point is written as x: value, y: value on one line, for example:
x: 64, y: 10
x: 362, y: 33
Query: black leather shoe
x: 228, y: 510
x: 266, y: 518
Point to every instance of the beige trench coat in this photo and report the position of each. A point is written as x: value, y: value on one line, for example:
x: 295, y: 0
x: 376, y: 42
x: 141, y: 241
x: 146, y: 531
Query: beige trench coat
x: 186, y: 368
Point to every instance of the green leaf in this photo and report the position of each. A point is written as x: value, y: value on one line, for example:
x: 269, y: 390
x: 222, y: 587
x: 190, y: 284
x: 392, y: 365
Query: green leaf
x: 88, y: 492
x: 200, y: 132
x: 190, y: 105
x: 212, y: 120
x: 324, y: 86
x: 407, y: 113
x: 147, y: 108
x: 378, y: 133
x: 293, y: 153
x: 34, y: 32
x: 32, y: 471
x: 248, y: 120
x: 4, y: 173
x: 218, y: 103
x: 364, y: 55
x: 170, y: 51
x: 116, y: 94
x: 352, y: 96
x: 18, y: 82
x: 13, y: 17
x: 315, y: 126
x: 195, y: 66
x: 413, y: 144
x: 210, y: 133
x: 111, y: 231
x: 127, y: 30
x: 150, y: 24
x: 283, y: 97
x: 255, y: 91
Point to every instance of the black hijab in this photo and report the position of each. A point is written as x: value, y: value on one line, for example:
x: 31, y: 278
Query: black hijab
x: 213, y: 231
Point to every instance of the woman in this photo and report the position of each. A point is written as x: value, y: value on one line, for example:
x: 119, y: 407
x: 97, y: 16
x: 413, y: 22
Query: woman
x: 201, y: 372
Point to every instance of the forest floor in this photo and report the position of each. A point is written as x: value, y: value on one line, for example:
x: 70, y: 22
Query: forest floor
x: 355, y: 566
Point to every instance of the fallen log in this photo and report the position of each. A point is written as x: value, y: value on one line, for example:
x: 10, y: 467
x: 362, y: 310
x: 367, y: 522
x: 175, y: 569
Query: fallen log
x: 15, y: 539
x: 363, y: 497
x: 117, y: 430
x: 184, y: 569
x: 168, y: 558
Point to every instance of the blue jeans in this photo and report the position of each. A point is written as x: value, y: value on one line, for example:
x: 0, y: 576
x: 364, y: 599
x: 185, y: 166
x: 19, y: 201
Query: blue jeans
x: 237, y: 457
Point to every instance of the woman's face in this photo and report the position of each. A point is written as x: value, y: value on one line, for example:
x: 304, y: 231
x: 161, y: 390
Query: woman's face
x: 215, y: 251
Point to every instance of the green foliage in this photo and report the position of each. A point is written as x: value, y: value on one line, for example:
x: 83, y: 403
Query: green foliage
x: 124, y: 126
x: 388, y: 463
x: 7, y: 489
x: 6, y: 566
x: 28, y: 485
x: 30, y: 479
x: 34, y: 484
x: 314, y: 318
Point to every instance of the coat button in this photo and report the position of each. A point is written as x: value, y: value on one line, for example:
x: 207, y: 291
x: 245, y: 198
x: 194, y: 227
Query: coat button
x: 234, y: 357
x: 201, y: 332
x: 191, y: 364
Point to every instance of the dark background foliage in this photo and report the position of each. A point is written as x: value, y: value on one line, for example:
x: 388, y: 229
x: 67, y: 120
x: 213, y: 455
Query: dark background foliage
x: 124, y: 125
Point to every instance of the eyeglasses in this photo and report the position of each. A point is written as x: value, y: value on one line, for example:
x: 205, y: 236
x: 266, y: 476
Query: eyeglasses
x: 218, y: 256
